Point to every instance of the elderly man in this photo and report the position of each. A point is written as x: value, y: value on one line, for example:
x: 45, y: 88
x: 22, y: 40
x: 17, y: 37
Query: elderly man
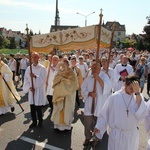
x: 77, y: 71
x: 65, y: 85
x: 110, y: 72
x: 51, y: 72
x: 6, y: 97
x: 37, y: 93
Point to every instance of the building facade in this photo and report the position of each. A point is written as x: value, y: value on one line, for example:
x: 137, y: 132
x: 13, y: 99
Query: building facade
x: 120, y: 30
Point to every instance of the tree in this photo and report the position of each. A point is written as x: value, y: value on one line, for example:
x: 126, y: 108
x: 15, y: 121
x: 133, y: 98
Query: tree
x: 12, y: 43
x: 147, y: 28
x: 126, y: 42
x: 6, y: 43
x: 147, y: 35
x: 1, y: 42
x: 139, y: 43
x: 20, y: 43
x: 31, y: 32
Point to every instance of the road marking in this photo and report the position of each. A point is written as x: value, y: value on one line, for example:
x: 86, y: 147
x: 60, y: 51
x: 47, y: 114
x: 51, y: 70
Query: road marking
x: 41, y: 144
x: 1, y: 129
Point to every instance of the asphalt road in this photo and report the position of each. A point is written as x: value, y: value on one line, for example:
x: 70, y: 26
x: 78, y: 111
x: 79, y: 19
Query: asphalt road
x: 16, y: 135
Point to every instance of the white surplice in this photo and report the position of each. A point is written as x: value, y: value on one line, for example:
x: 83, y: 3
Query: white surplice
x: 147, y: 124
x: 87, y: 87
x: 111, y: 74
x: 39, y: 84
x: 118, y: 69
x: 123, y: 131
x: 52, y: 73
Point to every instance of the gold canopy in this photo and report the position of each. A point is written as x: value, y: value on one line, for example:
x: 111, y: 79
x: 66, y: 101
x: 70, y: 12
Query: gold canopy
x: 71, y: 39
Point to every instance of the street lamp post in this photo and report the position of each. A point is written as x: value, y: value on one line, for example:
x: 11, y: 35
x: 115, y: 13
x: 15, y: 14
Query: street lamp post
x: 86, y: 16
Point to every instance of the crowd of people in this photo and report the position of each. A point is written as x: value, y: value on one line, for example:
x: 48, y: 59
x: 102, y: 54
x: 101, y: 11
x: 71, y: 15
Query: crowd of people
x: 111, y: 90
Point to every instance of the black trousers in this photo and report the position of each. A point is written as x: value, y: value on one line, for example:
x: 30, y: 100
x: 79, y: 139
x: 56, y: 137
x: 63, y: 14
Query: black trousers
x: 77, y: 98
x: 49, y: 98
x: 36, y: 112
x: 148, y: 83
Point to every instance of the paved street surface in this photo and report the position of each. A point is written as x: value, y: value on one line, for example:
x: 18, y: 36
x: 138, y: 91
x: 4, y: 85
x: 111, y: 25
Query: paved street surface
x: 16, y: 135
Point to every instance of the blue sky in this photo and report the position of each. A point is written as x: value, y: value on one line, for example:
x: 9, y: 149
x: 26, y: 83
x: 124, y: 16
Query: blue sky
x: 40, y: 14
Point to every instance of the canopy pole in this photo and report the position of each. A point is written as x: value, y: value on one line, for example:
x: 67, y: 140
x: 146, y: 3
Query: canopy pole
x: 97, y: 58
x: 12, y: 92
x: 29, y: 53
x: 49, y: 67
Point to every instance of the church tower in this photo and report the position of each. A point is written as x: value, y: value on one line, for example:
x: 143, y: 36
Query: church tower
x: 57, y: 26
x: 57, y: 18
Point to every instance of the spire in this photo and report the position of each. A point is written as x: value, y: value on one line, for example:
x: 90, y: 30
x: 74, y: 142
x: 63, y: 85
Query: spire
x: 57, y: 18
x: 103, y: 23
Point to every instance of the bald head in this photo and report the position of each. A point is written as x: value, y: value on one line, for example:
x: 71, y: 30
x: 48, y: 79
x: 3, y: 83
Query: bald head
x: 35, y: 58
x: 95, y: 68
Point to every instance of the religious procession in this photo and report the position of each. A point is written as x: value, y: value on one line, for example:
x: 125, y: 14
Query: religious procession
x: 107, y: 82
x: 64, y: 81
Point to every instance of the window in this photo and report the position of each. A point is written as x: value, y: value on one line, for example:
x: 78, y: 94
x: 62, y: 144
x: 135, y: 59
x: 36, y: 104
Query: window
x: 119, y: 33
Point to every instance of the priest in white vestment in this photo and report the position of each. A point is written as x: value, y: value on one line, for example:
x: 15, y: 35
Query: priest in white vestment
x: 103, y: 86
x: 110, y: 73
x: 121, y: 71
x: 65, y: 85
x: 36, y: 94
x: 6, y: 97
x: 51, y: 72
x: 121, y: 113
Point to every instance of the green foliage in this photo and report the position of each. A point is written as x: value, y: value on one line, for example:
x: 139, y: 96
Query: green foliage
x: 1, y: 42
x: 13, y: 51
x: 146, y: 40
x: 126, y: 43
x: 12, y: 43
x: 6, y: 43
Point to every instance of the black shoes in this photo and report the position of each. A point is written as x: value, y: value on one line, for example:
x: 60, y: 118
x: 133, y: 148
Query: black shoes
x: 86, y: 142
x: 12, y: 109
x: 40, y: 124
x: 34, y: 124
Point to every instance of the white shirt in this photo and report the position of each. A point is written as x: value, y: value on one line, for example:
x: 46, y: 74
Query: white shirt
x: 52, y: 73
x: 24, y: 63
x: 83, y: 68
x: 39, y: 84
x: 11, y: 65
